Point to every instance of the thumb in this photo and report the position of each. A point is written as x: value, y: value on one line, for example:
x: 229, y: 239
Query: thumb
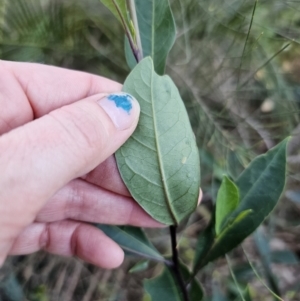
x: 42, y: 156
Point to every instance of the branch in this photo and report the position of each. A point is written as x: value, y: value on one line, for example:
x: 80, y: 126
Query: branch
x: 139, y: 54
x: 176, y: 266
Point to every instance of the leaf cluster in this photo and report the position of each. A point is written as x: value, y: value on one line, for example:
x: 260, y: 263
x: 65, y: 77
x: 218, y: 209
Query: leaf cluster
x: 218, y: 95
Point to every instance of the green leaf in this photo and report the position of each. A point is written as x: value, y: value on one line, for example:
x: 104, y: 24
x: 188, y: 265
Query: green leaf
x: 260, y: 186
x: 195, y: 290
x: 132, y: 240
x: 139, y: 267
x: 284, y: 257
x: 227, y: 201
x: 159, y: 163
x: 11, y: 289
x: 119, y: 9
x: 204, y: 243
x: 163, y: 287
x: 157, y: 31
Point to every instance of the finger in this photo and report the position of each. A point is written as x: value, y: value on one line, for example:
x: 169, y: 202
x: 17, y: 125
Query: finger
x: 29, y: 91
x: 82, y: 201
x: 107, y: 176
x: 46, y: 154
x: 70, y: 238
x: 15, y: 108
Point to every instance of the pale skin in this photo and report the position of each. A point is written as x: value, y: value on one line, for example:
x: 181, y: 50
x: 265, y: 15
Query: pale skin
x: 57, y: 169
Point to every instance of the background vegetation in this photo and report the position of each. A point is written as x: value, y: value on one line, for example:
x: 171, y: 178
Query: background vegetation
x: 236, y: 63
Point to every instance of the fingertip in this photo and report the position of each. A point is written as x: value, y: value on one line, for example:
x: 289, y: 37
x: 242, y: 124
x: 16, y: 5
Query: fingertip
x: 122, y: 108
x: 98, y: 249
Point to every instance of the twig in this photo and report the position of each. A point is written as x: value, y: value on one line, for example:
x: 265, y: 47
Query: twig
x: 137, y: 48
x: 175, y: 266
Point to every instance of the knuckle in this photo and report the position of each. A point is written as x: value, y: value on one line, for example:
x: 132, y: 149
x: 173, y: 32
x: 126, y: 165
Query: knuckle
x: 44, y: 241
x: 76, y: 202
x: 83, y: 130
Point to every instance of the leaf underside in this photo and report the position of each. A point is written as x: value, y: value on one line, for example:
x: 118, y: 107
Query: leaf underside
x: 159, y: 163
x: 157, y: 31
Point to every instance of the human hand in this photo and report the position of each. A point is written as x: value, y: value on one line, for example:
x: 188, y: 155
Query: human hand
x: 56, y: 127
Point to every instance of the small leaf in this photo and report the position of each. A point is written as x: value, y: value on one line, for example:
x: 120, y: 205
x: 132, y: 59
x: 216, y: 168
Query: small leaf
x: 163, y: 287
x: 227, y: 201
x: 131, y: 241
x: 284, y: 257
x: 247, y: 294
x: 119, y: 9
x: 159, y: 163
x: 139, y: 267
x: 11, y: 289
x: 260, y: 186
x: 211, y: 243
x: 204, y: 243
x: 195, y: 290
x: 157, y: 31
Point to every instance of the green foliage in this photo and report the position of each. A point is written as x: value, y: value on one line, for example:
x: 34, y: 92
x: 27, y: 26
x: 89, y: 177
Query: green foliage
x: 119, y: 9
x: 230, y: 58
x: 140, y: 266
x: 157, y: 30
x: 260, y: 186
x: 195, y: 291
x: 163, y: 287
x: 227, y: 200
x: 133, y: 241
x: 159, y: 163
x: 10, y: 289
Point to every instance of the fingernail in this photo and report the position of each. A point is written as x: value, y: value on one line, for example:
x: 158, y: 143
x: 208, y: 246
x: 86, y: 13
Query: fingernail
x: 122, y: 108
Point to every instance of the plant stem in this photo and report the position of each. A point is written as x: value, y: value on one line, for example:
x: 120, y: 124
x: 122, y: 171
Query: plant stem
x: 175, y: 266
x: 133, y: 14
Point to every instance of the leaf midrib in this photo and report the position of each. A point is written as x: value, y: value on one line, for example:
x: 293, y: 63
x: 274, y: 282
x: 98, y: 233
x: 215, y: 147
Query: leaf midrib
x: 253, y: 187
x: 165, y: 188
x: 153, y: 32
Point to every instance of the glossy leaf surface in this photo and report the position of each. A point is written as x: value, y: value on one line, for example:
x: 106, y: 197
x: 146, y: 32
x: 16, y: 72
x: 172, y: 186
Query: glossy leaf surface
x: 157, y: 31
x: 132, y: 240
x: 260, y: 186
x: 227, y: 201
x: 159, y: 163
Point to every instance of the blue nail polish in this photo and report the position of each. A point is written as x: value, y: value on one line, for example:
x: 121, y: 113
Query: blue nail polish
x: 122, y: 100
